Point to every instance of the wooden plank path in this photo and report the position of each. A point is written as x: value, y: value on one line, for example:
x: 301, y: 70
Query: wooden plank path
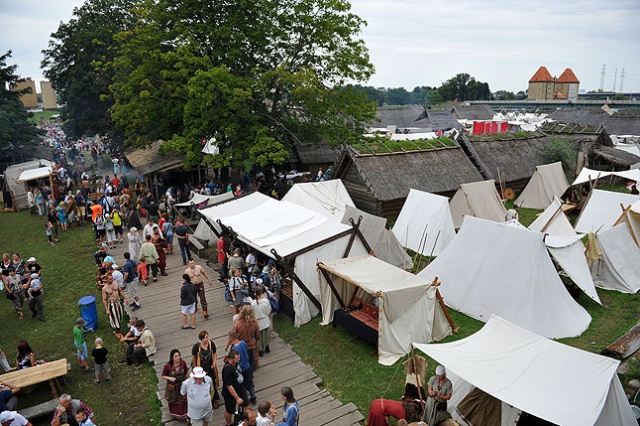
x: 160, y: 309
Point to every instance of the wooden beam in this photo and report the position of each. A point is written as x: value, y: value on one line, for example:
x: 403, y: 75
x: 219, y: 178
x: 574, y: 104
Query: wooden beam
x: 353, y: 235
x: 298, y: 281
x: 435, y: 283
x: 327, y: 277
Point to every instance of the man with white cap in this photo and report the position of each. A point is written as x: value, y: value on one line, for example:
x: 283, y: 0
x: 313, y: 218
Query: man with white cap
x: 439, y: 391
x: 198, y: 389
x: 12, y: 418
x: 33, y: 267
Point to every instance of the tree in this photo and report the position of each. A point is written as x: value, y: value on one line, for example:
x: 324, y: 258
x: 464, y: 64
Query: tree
x: 463, y: 87
x: 562, y: 150
x: 398, y: 96
x: 504, y: 95
x: 258, y: 75
x: 73, y: 63
x: 16, y: 129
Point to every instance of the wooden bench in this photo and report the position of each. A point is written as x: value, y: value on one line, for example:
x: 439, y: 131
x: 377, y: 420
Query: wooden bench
x: 40, y: 410
x: 368, y: 315
x: 48, y: 372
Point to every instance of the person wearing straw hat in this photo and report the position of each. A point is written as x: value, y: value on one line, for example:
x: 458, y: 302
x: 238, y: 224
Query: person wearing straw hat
x: 439, y: 391
x: 198, y: 390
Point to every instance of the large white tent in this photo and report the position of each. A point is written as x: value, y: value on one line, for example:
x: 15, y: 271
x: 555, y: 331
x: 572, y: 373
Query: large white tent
x: 565, y: 246
x: 547, y: 182
x: 425, y: 224
x: 478, y: 199
x: 294, y: 233
x: 587, y: 175
x: 497, y: 268
x: 329, y: 198
x: 408, y: 308
x: 619, y: 265
x: 603, y: 210
x: 527, y: 372
x: 202, y: 201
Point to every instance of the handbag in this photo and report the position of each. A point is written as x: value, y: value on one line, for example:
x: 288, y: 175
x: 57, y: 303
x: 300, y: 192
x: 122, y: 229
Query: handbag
x: 441, y: 406
x: 227, y: 294
x: 10, y: 296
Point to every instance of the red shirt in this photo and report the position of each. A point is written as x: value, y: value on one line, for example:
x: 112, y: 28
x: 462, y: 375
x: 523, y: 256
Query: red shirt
x: 222, y: 250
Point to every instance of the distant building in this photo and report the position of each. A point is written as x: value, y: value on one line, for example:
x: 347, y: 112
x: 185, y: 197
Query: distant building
x: 543, y: 86
x: 48, y: 95
x: 29, y: 100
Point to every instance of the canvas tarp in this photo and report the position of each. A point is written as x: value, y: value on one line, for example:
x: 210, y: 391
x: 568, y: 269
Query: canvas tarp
x: 527, y: 372
x: 408, y: 308
x: 619, y: 266
x: 587, y: 174
x: 497, y: 268
x: 603, y: 210
x: 18, y: 189
x: 329, y: 198
x: 633, y: 217
x: 547, y: 182
x: 425, y: 224
x: 202, y: 201
x: 565, y: 246
x: 382, y: 241
x: 478, y: 199
x: 265, y: 224
x: 39, y: 173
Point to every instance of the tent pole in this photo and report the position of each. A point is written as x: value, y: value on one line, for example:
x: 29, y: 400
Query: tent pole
x: 353, y: 236
x: 546, y: 225
x: 420, y: 245
x: 436, y: 284
x: 433, y: 248
x: 326, y: 276
x: 406, y: 242
x: 298, y: 281
x: 415, y: 371
x: 625, y: 218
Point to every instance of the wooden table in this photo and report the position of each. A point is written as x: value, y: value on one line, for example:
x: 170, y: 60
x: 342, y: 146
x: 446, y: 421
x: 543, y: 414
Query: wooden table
x: 48, y: 372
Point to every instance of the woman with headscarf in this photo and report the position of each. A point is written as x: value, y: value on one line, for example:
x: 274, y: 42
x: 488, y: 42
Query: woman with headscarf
x: 439, y: 392
x: 134, y: 243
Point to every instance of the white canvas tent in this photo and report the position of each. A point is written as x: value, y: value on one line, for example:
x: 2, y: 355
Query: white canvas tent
x: 565, y: 246
x: 202, y: 201
x: 295, y: 233
x: 478, y: 199
x: 39, y: 173
x: 497, y: 268
x: 408, y: 308
x: 547, y: 182
x: 603, y: 210
x: 425, y: 224
x: 382, y: 241
x: 618, y: 267
x: 587, y: 175
x: 329, y: 198
x: 16, y: 185
x: 527, y: 372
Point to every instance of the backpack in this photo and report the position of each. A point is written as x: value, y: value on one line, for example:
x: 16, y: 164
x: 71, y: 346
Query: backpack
x: 227, y: 293
x: 274, y: 303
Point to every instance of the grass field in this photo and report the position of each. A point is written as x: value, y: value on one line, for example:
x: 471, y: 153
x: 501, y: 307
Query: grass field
x: 68, y: 274
x: 46, y: 114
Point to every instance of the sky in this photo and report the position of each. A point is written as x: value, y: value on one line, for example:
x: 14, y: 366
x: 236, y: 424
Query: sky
x: 425, y: 42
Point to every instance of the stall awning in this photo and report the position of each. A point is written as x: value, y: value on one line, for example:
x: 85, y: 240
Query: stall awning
x: 32, y: 174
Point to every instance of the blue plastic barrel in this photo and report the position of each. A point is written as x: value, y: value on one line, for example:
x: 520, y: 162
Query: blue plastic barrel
x: 89, y: 311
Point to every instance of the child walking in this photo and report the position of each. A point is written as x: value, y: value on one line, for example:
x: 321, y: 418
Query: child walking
x: 99, y: 355
x: 143, y: 272
x: 48, y: 227
x: 81, y: 343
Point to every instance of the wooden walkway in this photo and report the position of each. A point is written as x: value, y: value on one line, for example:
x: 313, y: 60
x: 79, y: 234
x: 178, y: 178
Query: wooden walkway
x: 160, y: 310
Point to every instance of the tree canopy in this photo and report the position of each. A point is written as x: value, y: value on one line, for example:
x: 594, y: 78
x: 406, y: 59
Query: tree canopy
x: 16, y: 128
x: 260, y: 76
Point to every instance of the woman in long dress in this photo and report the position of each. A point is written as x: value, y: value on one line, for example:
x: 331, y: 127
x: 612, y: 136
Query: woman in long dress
x: 134, y: 243
x: 439, y: 391
x: 175, y: 372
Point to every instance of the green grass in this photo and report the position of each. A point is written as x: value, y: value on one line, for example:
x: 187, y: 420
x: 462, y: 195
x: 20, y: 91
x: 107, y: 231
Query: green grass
x: 68, y: 274
x: 46, y: 114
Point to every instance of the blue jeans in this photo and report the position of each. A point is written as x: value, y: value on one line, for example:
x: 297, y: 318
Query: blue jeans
x: 184, y: 250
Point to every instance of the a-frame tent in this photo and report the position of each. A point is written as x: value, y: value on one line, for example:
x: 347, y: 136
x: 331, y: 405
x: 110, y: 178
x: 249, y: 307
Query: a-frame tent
x: 603, y: 210
x: 408, y: 307
x: 291, y: 234
x: 478, y: 199
x: 425, y: 224
x: 329, y: 198
x: 512, y: 369
x: 619, y: 266
x: 497, y: 268
x: 547, y: 182
x: 565, y: 246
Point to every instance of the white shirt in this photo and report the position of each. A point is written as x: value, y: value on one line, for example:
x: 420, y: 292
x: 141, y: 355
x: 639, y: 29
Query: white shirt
x: 18, y: 420
x: 118, y: 277
x: 198, y: 397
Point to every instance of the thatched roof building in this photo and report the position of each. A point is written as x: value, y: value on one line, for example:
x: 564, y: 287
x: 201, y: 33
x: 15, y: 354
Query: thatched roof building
x: 472, y: 112
x: 415, y: 116
x: 515, y: 155
x: 149, y: 160
x: 623, y: 122
x: 379, y: 180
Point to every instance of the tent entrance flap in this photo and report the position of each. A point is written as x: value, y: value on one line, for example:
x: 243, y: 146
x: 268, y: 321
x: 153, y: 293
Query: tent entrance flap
x: 294, y: 277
